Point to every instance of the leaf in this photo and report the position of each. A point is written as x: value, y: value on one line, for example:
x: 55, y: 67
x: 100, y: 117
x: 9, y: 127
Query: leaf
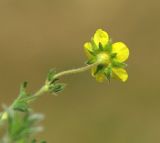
x: 20, y: 106
x: 51, y: 74
x: 20, y: 103
x: 23, y: 89
x: 22, y: 125
x: 56, y: 87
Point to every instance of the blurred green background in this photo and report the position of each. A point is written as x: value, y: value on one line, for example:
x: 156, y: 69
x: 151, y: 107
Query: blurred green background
x: 36, y: 35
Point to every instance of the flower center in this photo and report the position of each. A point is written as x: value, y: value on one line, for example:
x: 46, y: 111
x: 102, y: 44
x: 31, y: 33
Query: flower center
x: 103, y: 58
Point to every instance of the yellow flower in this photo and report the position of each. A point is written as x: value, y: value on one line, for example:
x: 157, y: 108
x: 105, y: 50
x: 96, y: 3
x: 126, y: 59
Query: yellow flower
x: 121, y: 50
x: 101, y: 37
x: 110, y: 57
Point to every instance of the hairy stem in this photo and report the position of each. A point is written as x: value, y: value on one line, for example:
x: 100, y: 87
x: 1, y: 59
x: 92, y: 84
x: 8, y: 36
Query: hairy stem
x: 74, y: 71
x: 45, y: 87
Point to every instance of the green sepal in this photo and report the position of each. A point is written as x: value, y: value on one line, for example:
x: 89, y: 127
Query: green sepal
x: 108, y: 47
x: 113, y: 55
x: 91, y: 61
x: 108, y: 73
x: 117, y: 64
x: 101, y: 47
x: 92, y: 52
x: 94, y: 46
x: 99, y: 69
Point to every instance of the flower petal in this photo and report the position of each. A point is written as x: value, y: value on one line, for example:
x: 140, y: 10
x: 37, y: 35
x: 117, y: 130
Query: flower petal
x: 100, y: 77
x: 101, y: 37
x: 87, y: 48
x: 121, y: 50
x: 120, y: 73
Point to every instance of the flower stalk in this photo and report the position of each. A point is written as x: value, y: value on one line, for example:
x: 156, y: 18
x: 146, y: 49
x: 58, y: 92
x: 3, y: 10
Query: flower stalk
x: 45, y: 88
x: 106, y: 61
x: 74, y: 71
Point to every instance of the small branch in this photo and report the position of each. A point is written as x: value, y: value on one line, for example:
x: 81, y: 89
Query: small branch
x: 45, y: 87
x: 74, y: 71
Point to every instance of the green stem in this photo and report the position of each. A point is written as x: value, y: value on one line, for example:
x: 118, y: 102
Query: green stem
x: 74, y: 71
x: 63, y: 73
x: 40, y: 92
x: 45, y: 88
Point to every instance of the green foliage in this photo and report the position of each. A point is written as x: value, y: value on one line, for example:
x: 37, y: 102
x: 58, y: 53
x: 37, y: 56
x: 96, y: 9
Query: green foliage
x: 20, y: 120
x: 104, y: 58
x: 108, y: 73
x: 108, y: 47
x: 91, y: 61
x: 113, y: 55
x: 117, y: 64
x: 21, y: 126
x: 35, y: 141
x: 56, y: 87
x: 50, y: 76
x: 53, y: 86
x: 101, y: 47
x: 21, y: 104
x: 99, y: 69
